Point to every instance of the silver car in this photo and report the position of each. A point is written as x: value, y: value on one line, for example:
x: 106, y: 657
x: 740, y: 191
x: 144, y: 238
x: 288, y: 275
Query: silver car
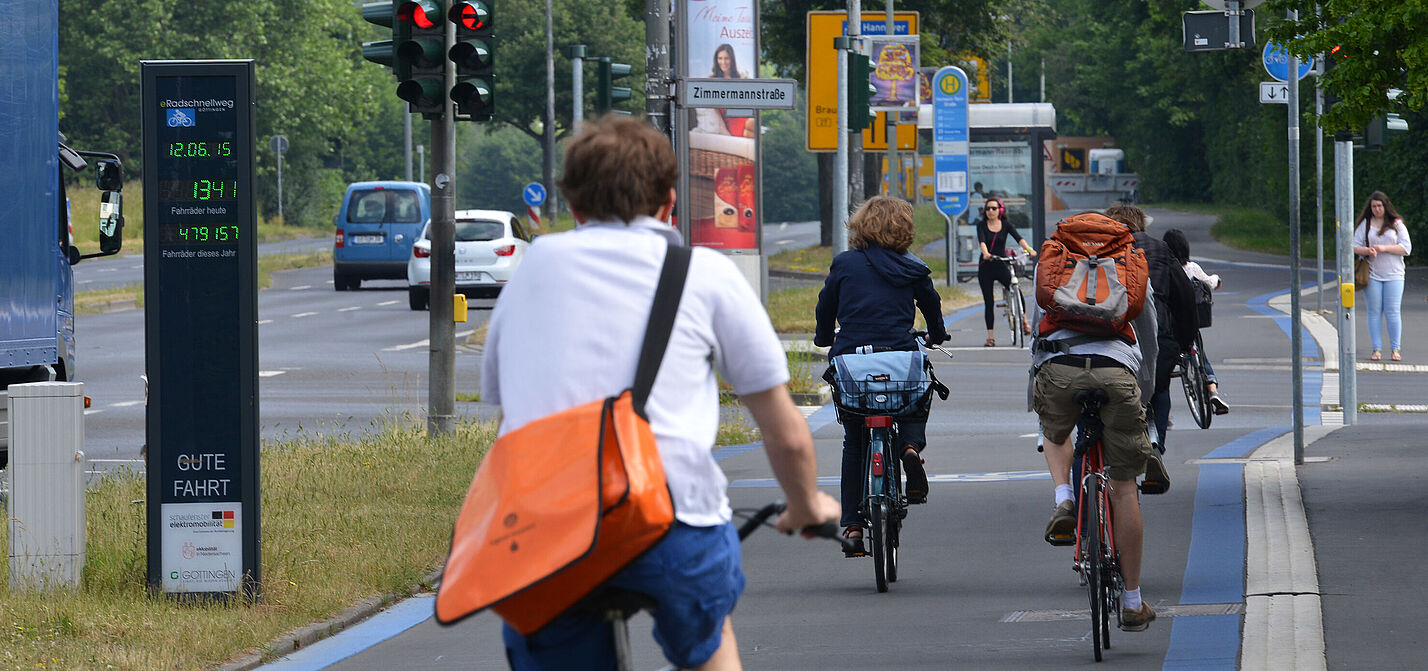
x: 489, y: 247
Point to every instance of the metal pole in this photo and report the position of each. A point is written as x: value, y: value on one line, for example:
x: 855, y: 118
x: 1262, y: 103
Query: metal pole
x: 441, y: 391
x: 280, y: 186
x: 1344, y: 254
x: 577, y: 81
x: 1296, y: 345
x: 856, y: 190
x: 1009, y: 70
x: 894, y: 165
x: 840, y: 160
x: 1043, y: 79
x: 421, y: 161
x: 407, y: 142
x: 1319, y: 188
x: 657, y: 64
x: 548, y: 155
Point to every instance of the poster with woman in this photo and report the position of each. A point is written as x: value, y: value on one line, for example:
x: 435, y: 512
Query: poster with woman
x: 723, y: 144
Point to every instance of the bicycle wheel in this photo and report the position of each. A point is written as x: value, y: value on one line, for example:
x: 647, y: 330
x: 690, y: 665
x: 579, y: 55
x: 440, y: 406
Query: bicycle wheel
x: 1091, y: 498
x: 878, y: 528
x: 1197, y: 388
x: 1018, y: 314
x: 1011, y: 316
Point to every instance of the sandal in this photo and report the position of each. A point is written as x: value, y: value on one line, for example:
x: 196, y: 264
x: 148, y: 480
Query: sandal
x: 916, y: 477
x: 1396, y: 356
x: 991, y: 342
x: 853, y: 545
x: 1376, y: 356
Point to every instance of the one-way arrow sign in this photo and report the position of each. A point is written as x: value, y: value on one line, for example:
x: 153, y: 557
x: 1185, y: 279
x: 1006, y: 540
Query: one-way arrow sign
x: 1274, y: 92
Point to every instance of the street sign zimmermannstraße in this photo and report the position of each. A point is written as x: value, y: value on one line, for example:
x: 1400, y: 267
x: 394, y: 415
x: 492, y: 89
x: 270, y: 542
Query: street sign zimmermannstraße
x: 768, y: 94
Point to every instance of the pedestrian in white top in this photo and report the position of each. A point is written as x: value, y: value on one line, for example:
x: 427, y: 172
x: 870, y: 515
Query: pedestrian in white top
x: 1180, y: 248
x: 567, y: 330
x: 1382, y: 237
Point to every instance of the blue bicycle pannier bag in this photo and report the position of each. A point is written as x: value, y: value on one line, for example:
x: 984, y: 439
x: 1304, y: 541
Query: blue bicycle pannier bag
x: 884, y: 382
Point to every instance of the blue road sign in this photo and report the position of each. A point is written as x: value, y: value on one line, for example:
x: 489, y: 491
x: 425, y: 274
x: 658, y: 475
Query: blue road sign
x: 533, y: 194
x: 949, y: 140
x: 1276, y: 62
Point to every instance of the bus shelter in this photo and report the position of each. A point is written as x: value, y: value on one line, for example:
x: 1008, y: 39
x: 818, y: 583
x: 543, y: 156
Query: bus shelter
x: 1005, y: 161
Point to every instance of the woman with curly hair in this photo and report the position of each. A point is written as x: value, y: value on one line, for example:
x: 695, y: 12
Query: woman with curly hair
x: 873, y: 293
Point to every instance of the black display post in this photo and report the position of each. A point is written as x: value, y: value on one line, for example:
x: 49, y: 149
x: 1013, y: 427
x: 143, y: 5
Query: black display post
x: 201, y: 332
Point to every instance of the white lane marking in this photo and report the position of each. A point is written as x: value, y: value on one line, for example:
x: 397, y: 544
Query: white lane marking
x: 387, y: 303
x: 106, y: 270
x: 423, y: 343
x: 1027, y: 435
x: 265, y: 321
x: 831, y: 480
x: 270, y: 373
x: 1383, y: 367
x: 125, y: 404
x: 1393, y: 407
x: 349, y: 309
x: 300, y: 315
x: 93, y: 411
x: 300, y: 287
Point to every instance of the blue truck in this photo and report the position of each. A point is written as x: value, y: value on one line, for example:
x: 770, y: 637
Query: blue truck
x: 36, y: 282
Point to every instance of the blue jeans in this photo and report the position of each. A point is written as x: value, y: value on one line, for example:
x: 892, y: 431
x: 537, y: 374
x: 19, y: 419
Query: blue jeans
x: 695, y: 576
x: 1385, y: 298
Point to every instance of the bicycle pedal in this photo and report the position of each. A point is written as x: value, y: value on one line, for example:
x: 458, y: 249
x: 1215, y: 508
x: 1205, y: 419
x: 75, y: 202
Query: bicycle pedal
x: 1151, y: 487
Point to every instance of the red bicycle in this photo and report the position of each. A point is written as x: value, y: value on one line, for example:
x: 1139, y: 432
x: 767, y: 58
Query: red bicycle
x: 1096, y: 559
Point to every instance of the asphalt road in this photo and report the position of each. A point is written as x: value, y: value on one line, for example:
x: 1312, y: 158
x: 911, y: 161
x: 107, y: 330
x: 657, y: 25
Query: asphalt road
x: 979, y: 588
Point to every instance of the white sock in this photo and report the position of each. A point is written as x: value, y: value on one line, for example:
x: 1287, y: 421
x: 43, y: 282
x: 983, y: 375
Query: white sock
x: 1064, y: 493
x: 1130, y: 599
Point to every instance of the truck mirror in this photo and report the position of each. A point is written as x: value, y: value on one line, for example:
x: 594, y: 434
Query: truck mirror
x: 111, y: 218
x: 108, y: 176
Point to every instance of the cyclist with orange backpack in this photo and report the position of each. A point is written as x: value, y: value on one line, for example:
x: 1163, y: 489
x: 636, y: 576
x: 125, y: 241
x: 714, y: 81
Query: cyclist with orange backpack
x: 1095, y: 320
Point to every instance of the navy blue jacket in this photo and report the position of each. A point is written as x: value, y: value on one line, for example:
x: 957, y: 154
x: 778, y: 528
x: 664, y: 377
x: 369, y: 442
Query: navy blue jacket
x: 870, y: 293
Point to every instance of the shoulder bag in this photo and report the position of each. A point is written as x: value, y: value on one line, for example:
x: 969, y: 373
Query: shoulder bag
x: 561, y: 504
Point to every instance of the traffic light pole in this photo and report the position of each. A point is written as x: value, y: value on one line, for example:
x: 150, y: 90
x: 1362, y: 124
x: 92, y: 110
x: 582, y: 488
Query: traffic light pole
x: 441, y: 391
x: 857, y: 191
x: 840, y: 161
x: 894, y: 168
x: 1344, y: 254
x: 1296, y: 338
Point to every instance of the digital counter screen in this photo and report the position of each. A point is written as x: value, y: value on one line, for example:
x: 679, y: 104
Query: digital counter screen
x: 197, y: 190
x: 222, y: 234
x: 199, y: 149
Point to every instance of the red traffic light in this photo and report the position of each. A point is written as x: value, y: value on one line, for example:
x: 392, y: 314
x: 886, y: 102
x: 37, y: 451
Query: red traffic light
x: 470, y: 15
x: 420, y: 13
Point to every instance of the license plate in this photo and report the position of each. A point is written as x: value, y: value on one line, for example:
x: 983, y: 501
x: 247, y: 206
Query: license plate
x: 469, y: 277
x: 367, y: 239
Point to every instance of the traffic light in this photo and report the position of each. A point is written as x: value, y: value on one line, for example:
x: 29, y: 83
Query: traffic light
x: 1385, y: 126
x: 606, y: 93
x: 474, y: 92
x: 381, y: 51
x: 860, y: 91
x: 421, y: 55
x: 1331, y: 59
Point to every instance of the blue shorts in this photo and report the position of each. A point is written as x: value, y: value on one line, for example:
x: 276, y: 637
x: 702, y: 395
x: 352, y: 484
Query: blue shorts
x: 694, y: 574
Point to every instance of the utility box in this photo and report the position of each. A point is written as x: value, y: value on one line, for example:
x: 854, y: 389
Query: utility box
x: 46, y: 479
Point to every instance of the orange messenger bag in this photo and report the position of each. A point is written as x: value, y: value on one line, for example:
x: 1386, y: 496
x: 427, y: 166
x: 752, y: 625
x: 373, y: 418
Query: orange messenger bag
x: 565, y: 502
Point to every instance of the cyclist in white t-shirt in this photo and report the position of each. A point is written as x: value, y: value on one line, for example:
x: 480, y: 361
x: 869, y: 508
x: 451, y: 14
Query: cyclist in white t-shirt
x: 567, y: 330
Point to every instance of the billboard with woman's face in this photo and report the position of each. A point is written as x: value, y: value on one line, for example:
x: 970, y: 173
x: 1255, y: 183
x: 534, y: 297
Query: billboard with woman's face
x: 723, y: 144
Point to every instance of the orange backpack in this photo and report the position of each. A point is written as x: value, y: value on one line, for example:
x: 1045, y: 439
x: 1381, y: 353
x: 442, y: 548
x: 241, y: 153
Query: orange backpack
x: 561, y: 504
x: 1090, y: 278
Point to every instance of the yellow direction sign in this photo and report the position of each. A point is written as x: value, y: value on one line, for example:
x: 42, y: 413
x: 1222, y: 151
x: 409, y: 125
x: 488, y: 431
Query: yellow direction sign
x: 822, y: 66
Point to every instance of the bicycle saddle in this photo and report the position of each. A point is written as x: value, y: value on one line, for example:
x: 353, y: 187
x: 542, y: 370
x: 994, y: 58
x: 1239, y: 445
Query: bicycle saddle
x: 614, y: 601
x: 1090, y: 397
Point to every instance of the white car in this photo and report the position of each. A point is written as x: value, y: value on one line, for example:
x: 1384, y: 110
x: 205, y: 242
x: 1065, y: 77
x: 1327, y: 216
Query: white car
x: 489, y: 246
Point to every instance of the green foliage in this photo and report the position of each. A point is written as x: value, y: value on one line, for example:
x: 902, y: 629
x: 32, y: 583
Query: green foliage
x: 492, y: 167
x: 790, y: 173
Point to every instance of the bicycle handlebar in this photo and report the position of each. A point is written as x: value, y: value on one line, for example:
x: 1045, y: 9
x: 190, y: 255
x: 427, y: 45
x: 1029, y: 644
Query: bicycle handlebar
x: 761, y: 518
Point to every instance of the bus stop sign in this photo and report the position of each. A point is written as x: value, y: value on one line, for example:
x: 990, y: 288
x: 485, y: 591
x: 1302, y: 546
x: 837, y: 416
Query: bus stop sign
x: 950, y: 140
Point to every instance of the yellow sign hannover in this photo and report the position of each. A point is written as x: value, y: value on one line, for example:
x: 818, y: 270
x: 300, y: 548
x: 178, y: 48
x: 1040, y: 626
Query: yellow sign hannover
x: 822, y: 66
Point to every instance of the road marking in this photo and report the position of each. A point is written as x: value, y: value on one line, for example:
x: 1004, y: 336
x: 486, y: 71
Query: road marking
x: 387, y: 303
x: 400, y: 617
x: 1179, y: 610
x: 349, y: 309
x: 1027, y: 435
x: 93, y: 411
x: 125, y: 404
x: 423, y: 343
x: 265, y: 321
x: 300, y: 315
x: 1391, y: 367
x: 270, y: 373
x: 1393, y: 407
x: 945, y: 478
x: 300, y: 287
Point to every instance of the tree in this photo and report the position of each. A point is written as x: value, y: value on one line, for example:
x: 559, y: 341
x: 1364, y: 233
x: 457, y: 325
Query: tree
x: 1378, y: 45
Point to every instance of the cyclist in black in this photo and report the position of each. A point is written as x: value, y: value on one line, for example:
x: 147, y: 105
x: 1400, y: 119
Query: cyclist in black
x: 873, y: 293
x: 992, y: 233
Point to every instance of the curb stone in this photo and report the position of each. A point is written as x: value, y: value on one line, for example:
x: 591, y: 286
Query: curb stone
x: 304, y: 636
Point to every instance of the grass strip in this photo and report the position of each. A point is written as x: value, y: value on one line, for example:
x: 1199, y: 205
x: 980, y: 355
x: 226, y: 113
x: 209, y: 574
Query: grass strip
x: 1255, y: 230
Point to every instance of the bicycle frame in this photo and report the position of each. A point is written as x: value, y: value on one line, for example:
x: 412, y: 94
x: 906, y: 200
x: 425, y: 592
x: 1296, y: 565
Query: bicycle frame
x: 883, y: 501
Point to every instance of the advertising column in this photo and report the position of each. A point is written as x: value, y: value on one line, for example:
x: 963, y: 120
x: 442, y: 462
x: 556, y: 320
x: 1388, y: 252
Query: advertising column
x: 200, y: 294
x: 721, y: 42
